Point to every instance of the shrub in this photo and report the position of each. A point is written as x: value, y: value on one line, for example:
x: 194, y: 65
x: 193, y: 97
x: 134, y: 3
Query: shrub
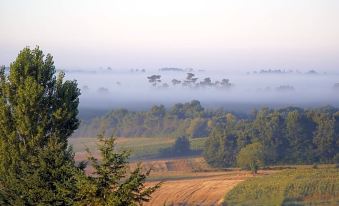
x: 251, y: 157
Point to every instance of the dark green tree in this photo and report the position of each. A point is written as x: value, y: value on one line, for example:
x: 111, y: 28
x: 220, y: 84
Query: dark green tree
x: 38, y: 113
x: 221, y: 148
x: 178, y: 111
x: 198, y: 128
x: 324, y: 137
x: 110, y: 184
x: 181, y: 146
x: 299, y: 136
x: 268, y: 128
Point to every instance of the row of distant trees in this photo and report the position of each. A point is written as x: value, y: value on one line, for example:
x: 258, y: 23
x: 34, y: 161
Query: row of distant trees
x: 289, y: 135
x: 282, y: 71
x: 191, y: 82
x: 188, y: 119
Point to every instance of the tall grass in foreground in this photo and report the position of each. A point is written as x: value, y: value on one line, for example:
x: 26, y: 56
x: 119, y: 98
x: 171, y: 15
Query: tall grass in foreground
x: 290, y: 187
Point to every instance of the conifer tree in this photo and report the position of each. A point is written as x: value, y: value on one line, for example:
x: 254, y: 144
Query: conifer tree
x: 38, y: 113
x: 113, y: 182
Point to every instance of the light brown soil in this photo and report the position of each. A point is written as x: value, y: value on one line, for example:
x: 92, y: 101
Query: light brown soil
x: 187, y: 164
x: 206, y: 188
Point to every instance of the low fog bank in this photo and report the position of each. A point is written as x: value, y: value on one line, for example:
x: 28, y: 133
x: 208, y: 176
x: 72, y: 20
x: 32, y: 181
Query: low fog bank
x: 140, y: 89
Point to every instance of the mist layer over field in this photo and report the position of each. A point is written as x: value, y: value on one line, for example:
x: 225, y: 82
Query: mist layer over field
x: 109, y: 89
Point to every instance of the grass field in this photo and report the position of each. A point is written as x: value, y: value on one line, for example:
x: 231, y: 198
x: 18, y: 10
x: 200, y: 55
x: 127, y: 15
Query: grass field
x: 141, y: 147
x: 302, y: 186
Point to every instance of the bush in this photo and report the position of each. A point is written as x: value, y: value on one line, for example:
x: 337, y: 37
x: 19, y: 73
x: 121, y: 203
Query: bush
x: 181, y: 145
x: 251, y: 157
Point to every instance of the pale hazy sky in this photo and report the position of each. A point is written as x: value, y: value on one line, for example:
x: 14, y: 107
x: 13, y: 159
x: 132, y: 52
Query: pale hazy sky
x: 207, y: 34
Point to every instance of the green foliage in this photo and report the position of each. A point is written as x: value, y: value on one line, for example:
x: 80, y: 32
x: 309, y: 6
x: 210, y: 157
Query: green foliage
x: 287, y: 136
x: 298, y: 132
x: 221, y: 147
x: 187, y: 119
x: 38, y: 113
x: 141, y: 148
x: 110, y: 184
x: 181, y: 145
x: 251, y: 157
x: 198, y: 128
x: 324, y: 137
x: 289, y: 187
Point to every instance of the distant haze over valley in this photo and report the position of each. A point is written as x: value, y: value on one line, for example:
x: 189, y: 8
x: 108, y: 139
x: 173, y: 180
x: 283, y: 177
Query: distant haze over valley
x: 108, y: 88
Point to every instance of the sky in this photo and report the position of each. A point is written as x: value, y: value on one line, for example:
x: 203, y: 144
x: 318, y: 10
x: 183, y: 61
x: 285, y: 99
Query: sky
x: 227, y: 35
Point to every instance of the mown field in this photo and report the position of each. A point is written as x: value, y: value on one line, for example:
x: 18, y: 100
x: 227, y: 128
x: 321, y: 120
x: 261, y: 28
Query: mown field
x: 141, y: 148
x: 302, y: 186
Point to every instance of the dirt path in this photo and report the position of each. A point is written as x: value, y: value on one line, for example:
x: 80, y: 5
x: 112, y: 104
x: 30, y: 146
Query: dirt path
x: 199, y: 191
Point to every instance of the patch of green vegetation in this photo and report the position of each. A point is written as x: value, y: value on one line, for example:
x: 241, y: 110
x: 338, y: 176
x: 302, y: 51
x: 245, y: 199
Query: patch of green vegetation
x: 146, y: 150
x: 290, y: 187
x: 197, y: 143
x: 141, y: 148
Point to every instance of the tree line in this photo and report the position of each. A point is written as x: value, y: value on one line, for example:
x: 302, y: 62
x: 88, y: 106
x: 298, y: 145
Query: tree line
x: 286, y: 136
x: 190, y: 82
x: 188, y: 119
x: 290, y: 135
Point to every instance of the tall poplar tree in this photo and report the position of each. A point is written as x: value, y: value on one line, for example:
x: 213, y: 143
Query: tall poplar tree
x: 38, y: 113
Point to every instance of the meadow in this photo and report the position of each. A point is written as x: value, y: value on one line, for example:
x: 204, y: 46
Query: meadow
x: 300, y: 186
x: 141, y: 148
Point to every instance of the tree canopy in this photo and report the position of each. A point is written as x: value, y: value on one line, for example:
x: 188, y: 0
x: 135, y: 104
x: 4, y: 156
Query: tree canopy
x: 288, y: 136
x: 251, y: 157
x: 38, y: 112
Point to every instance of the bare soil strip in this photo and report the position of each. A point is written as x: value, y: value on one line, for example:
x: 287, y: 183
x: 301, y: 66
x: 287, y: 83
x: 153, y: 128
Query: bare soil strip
x: 198, y: 191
